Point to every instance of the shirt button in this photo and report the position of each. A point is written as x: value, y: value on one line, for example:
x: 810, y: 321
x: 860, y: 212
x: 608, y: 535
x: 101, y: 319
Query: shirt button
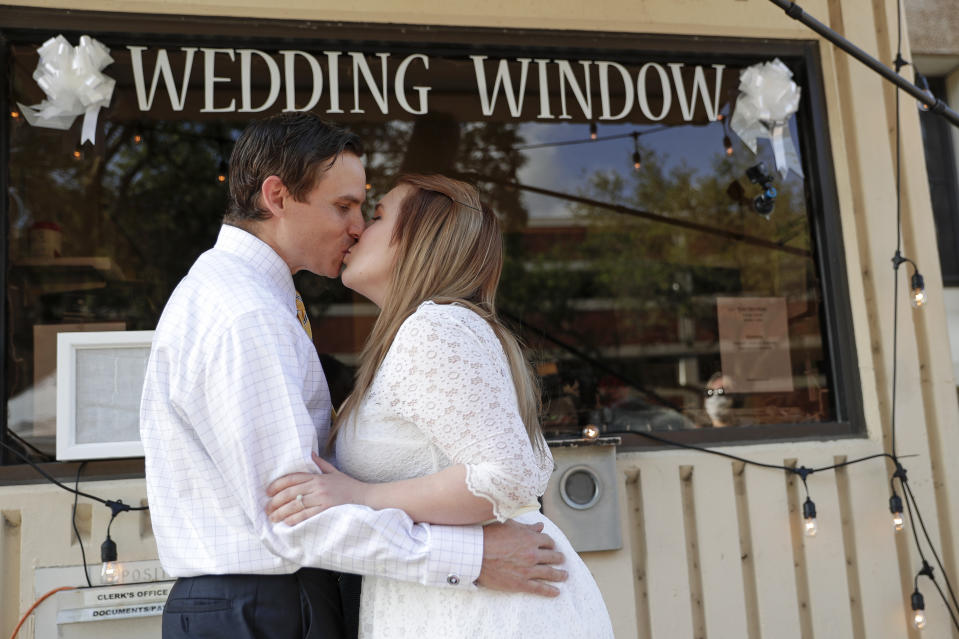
x: 453, y: 580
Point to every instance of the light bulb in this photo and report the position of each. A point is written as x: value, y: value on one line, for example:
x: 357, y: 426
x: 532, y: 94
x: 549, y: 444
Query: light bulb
x: 592, y: 131
x: 918, y: 610
x: 137, y: 138
x: 895, y: 507
x: 110, y: 572
x: 728, y: 144
x: 590, y: 432
x: 637, y: 161
x: 810, y: 527
x: 918, y: 297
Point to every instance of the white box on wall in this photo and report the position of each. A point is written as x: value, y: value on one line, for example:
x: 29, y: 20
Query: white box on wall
x: 99, y: 382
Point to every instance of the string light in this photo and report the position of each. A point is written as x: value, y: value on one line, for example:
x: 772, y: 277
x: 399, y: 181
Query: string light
x: 590, y: 432
x: 918, y: 297
x: 593, y: 133
x: 15, y: 114
x: 895, y: 507
x: 77, y: 153
x: 221, y: 175
x: 137, y: 138
x: 728, y: 144
x: 637, y: 159
x: 918, y: 610
x: 810, y: 527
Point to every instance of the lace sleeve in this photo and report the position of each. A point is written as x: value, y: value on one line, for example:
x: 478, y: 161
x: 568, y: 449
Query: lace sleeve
x: 448, y: 374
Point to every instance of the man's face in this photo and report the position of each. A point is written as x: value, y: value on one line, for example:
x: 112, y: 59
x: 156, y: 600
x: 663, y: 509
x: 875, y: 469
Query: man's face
x: 316, y: 233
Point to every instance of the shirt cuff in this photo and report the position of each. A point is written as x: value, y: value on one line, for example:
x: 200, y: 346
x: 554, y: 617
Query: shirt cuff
x: 456, y: 556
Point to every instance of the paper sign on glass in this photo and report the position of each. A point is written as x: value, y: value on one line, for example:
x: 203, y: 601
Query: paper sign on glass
x: 754, y: 344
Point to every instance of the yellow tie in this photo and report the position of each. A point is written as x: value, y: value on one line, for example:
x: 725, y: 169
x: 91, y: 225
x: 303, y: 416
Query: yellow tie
x: 301, y: 315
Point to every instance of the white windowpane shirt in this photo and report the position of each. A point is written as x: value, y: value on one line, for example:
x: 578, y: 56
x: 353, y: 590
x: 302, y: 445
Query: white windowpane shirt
x: 234, y: 398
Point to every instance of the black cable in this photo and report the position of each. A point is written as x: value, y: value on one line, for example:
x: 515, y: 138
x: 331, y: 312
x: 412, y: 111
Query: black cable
x: 106, y: 502
x: 904, y: 482
x: 76, y: 531
x: 951, y: 614
x: 802, y: 470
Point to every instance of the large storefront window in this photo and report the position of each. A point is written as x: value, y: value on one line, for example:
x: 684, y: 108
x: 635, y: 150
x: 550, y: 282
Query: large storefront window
x: 653, y: 293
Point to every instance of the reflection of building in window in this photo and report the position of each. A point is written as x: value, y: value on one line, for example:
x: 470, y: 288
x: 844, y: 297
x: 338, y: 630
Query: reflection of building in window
x: 612, y: 273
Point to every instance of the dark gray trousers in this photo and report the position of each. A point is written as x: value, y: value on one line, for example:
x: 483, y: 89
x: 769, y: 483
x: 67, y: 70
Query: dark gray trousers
x: 309, y: 604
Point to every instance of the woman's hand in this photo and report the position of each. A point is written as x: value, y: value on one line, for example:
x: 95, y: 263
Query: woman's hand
x: 299, y: 496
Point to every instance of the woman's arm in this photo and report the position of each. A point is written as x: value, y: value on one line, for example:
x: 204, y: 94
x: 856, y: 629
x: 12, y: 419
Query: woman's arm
x: 440, y: 498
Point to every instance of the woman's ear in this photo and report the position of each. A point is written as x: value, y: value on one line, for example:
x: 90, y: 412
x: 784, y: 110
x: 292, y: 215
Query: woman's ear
x: 273, y: 195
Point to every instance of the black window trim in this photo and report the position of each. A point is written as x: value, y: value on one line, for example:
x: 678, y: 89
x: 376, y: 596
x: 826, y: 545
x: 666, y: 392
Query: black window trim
x: 822, y: 197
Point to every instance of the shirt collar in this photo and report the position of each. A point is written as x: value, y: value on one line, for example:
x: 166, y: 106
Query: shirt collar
x: 260, y: 256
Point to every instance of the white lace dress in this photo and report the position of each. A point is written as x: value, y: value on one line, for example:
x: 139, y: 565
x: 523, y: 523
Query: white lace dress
x: 444, y: 396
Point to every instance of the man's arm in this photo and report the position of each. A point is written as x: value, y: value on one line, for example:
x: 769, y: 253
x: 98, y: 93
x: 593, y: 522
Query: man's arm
x: 263, y: 430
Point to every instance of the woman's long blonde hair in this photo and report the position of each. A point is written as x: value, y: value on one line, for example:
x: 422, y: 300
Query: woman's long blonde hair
x: 449, y: 249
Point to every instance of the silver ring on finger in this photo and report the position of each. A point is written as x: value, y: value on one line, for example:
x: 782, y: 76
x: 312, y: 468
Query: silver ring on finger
x: 299, y: 500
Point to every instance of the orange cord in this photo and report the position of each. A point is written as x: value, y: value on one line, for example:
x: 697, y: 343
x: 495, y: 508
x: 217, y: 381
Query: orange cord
x: 35, y: 604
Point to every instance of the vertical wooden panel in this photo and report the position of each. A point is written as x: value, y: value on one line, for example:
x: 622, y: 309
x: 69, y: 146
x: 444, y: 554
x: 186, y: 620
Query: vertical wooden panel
x: 772, y: 552
x: 669, y: 611
x: 9, y: 570
x: 825, y: 558
x: 719, y: 549
x: 637, y: 543
x: 693, y: 567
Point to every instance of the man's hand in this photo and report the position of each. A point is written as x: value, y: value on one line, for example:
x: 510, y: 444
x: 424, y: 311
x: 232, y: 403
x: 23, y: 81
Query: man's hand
x: 520, y: 558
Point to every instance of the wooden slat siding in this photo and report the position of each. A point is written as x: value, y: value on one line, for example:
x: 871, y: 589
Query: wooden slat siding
x: 637, y: 544
x: 847, y: 516
x: 770, y: 530
x: 10, y: 527
x: 825, y: 559
x: 693, y: 566
x: 719, y: 549
x: 795, y: 498
x: 746, y: 552
x: 613, y: 570
x: 669, y: 612
x: 84, y: 521
x: 884, y: 599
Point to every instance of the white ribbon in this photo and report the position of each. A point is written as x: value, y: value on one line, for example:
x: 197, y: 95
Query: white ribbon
x: 768, y: 98
x: 72, y: 80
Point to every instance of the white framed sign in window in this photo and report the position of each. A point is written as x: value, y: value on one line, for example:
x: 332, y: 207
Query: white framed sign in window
x: 99, y: 382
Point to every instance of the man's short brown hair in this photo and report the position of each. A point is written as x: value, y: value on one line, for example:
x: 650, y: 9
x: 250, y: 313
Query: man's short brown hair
x: 296, y: 147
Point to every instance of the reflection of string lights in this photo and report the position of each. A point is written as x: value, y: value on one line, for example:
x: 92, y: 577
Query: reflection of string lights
x: 15, y: 115
x: 599, y: 138
x: 728, y: 144
x: 593, y: 133
x: 637, y: 159
x: 221, y: 174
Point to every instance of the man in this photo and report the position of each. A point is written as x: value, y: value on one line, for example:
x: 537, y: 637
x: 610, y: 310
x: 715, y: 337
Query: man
x: 235, y: 397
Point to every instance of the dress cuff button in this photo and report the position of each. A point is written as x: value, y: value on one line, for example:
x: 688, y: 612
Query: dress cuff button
x: 453, y: 580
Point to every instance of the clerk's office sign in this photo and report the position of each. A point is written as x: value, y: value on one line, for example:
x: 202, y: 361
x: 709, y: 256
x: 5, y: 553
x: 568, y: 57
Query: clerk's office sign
x: 207, y: 80
x: 118, y: 602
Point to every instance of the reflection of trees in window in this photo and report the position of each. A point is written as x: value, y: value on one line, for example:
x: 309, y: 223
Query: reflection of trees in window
x: 633, y: 282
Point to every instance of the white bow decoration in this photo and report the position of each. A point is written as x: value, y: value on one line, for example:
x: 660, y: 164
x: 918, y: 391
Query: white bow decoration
x: 72, y: 80
x: 768, y: 98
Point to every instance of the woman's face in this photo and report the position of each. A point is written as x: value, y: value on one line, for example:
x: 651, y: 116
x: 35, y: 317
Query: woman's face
x: 369, y: 263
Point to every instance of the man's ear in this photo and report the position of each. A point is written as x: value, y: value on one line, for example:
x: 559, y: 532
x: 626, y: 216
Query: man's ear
x: 274, y: 195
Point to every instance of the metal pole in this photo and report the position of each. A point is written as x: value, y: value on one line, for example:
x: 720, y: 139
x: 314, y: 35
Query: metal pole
x: 935, y: 105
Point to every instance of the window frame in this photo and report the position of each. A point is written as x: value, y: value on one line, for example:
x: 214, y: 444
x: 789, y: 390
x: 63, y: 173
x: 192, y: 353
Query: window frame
x: 821, y: 191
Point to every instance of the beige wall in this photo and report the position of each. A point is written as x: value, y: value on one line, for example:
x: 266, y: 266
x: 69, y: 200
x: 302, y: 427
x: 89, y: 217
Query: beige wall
x: 712, y: 550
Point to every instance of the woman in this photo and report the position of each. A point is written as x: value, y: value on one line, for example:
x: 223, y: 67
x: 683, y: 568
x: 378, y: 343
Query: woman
x: 442, y: 422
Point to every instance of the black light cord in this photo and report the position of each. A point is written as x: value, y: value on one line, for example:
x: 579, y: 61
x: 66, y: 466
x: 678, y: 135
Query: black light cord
x: 911, y: 498
x: 106, y: 502
x: 802, y: 471
x: 76, y: 530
